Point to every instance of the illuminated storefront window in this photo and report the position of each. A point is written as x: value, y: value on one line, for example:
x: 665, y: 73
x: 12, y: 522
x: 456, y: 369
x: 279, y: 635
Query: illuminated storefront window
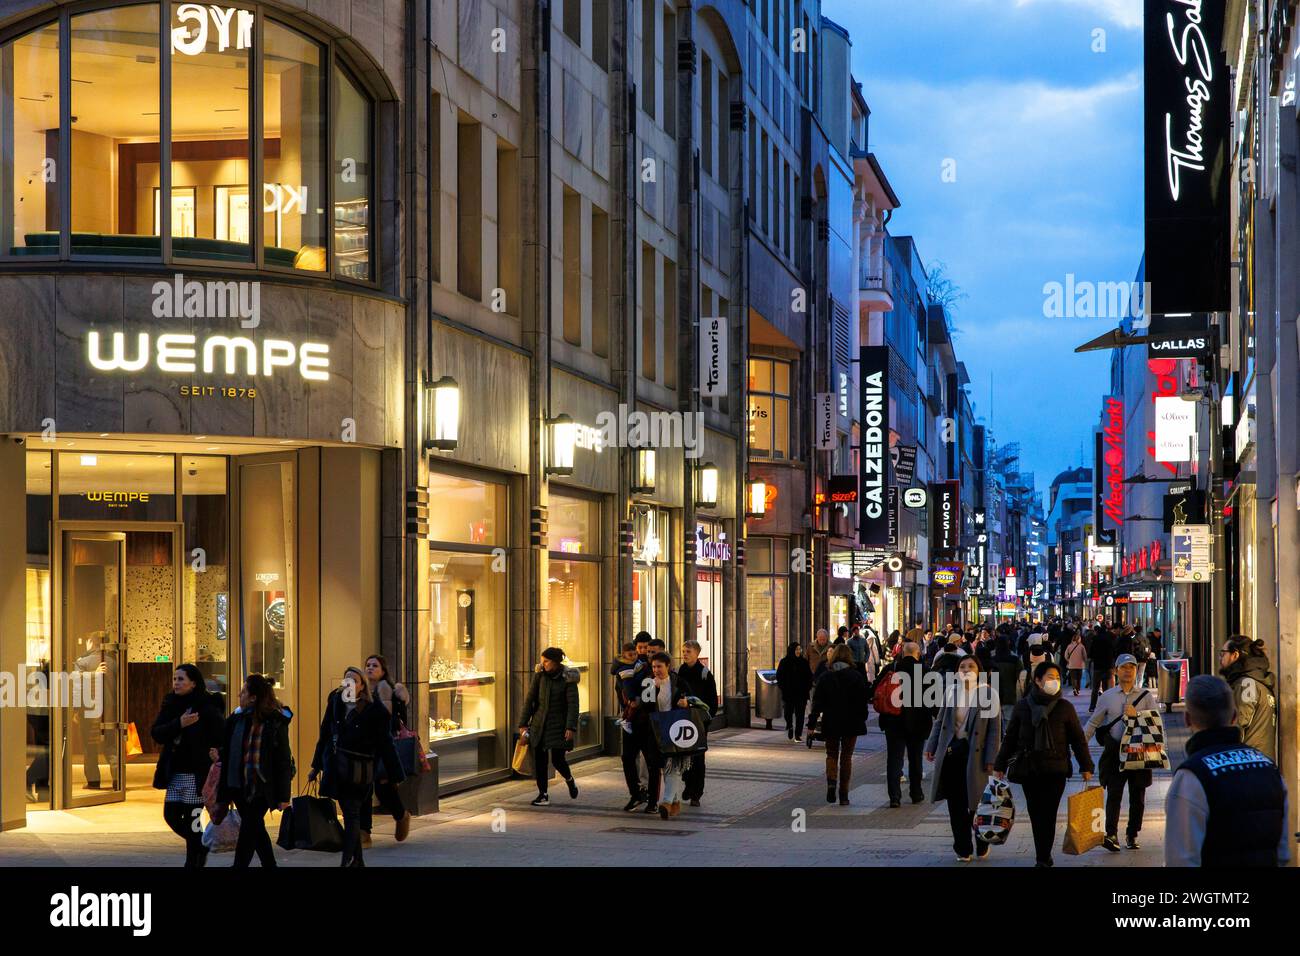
x: 467, y: 625
x: 144, y: 179
x: 767, y: 588
x: 574, y: 591
x: 650, y: 574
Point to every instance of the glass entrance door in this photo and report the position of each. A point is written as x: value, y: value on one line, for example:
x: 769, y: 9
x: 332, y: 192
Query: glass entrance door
x: 94, y: 724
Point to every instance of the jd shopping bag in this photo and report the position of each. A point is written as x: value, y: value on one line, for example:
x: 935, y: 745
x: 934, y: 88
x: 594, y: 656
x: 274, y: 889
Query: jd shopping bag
x: 682, y: 730
x: 1085, y: 821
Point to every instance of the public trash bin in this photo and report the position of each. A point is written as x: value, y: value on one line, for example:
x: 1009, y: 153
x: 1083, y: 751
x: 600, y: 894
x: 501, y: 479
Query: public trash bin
x: 1169, y: 682
x: 769, y: 697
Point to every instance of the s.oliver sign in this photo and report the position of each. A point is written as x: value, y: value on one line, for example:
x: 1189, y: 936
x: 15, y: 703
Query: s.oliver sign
x: 1188, y: 251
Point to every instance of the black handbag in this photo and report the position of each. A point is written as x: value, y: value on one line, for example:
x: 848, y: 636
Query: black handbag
x: 311, y: 823
x: 352, y: 771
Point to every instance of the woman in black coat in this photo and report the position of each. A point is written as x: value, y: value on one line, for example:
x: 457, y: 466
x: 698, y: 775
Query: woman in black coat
x: 840, y: 700
x: 256, y: 766
x: 550, y: 721
x: 188, y: 726
x: 354, y: 733
x: 907, y: 731
x: 1044, y: 729
x: 794, y: 678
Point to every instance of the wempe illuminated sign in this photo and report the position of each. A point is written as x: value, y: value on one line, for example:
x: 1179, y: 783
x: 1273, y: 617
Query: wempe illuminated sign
x: 183, y: 353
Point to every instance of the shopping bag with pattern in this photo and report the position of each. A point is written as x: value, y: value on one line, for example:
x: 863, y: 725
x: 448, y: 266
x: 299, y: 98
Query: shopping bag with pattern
x: 996, y: 813
x: 1142, y: 747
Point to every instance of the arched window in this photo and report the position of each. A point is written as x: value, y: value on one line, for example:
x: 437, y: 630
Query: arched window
x: 208, y: 139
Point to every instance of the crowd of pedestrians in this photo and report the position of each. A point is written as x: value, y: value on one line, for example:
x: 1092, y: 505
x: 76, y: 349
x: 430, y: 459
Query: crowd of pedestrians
x: 1004, y: 710
x: 1004, y: 713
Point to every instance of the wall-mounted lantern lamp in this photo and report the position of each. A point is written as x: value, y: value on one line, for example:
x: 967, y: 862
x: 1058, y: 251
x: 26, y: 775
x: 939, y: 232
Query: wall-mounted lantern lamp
x: 643, y: 471
x: 563, y: 441
x: 442, y: 414
x: 707, y: 495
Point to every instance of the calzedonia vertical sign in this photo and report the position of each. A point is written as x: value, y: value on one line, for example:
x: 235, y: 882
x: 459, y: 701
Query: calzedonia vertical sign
x: 873, y: 498
x: 1188, y: 253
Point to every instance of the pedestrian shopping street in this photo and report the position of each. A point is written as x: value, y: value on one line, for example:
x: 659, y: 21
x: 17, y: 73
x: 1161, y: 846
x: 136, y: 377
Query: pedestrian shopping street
x: 758, y: 783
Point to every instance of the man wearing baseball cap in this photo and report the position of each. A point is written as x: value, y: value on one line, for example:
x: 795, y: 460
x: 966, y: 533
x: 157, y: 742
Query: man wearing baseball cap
x: 1125, y: 699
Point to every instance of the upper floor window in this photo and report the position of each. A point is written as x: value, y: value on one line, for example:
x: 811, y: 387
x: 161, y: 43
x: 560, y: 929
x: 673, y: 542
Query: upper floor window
x: 769, y: 408
x: 219, y: 152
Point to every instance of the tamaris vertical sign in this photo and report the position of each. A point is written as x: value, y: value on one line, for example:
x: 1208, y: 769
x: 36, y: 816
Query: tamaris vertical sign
x: 873, y: 502
x: 1187, y: 114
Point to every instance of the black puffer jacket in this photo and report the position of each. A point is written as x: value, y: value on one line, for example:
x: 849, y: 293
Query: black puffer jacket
x: 185, y: 749
x: 841, y: 700
x: 273, y: 781
x: 551, y: 708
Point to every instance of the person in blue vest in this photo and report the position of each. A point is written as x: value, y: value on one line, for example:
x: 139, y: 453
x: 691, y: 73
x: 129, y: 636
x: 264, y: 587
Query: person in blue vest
x: 1227, y: 804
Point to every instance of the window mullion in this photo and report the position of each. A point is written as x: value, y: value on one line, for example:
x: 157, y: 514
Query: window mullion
x: 331, y: 160
x: 257, y: 143
x: 64, y: 161
x: 165, y: 131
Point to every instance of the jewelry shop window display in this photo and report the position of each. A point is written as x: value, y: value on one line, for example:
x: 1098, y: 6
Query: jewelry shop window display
x: 467, y: 625
x: 574, y: 602
x: 651, y: 556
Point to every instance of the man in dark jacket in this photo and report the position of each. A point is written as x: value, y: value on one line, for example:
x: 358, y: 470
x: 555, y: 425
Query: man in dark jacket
x: 697, y: 681
x: 1101, y: 655
x: 1227, y: 804
x: 906, y: 731
x: 636, y: 736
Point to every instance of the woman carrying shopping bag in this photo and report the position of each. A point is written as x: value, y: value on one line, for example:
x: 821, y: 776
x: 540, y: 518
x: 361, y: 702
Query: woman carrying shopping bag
x: 549, y: 722
x: 1035, y: 753
x: 256, y: 766
x: 354, y: 735
x: 962, y: 745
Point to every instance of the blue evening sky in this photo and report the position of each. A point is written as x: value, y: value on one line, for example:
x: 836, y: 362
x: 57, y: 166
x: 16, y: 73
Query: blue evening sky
x: 1047, y: 139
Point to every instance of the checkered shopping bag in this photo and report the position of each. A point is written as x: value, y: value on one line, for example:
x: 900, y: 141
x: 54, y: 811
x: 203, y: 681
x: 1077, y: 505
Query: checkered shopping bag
x: 996, y: 813
x: 1142, y: 747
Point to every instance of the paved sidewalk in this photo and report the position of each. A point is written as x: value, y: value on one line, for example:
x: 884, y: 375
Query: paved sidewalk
x: 765, y: 803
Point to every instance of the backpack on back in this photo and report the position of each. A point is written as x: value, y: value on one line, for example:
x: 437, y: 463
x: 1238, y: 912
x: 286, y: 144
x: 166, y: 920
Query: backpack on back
x: 888, y: 694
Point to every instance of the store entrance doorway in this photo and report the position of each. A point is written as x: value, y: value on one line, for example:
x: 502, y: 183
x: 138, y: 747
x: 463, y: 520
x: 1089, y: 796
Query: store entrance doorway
x: 118, y: 607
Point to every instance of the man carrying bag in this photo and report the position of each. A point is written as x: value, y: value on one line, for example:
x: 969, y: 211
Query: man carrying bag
x: 1124, y: 712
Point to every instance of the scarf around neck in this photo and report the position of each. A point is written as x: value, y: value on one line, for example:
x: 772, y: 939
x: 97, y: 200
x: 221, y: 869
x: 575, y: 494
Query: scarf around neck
x: 1040, y: 706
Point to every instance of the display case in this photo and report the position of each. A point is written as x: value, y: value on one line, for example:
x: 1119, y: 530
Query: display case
x: 352, y: 238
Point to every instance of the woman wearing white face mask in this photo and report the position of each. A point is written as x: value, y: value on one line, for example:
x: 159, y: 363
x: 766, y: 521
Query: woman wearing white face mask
x: 962, y: 745
x: 1043, y: 731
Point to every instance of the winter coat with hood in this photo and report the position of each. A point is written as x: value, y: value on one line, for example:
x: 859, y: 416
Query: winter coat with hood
x: 841, y: 699
x: 185, y: 749
x: 794, y: 677
x: 551, y: 708
x: 273, y: 781
x: 1253, y: 687
x: 915, y: 720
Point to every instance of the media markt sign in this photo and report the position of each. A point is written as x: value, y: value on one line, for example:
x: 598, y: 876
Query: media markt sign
x: 1190, y: 554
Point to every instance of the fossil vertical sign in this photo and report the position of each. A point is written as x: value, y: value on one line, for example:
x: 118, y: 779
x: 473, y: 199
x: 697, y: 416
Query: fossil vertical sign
x: 1188, y: 248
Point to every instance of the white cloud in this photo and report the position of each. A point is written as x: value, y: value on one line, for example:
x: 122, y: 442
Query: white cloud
x: 1123, y: 13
